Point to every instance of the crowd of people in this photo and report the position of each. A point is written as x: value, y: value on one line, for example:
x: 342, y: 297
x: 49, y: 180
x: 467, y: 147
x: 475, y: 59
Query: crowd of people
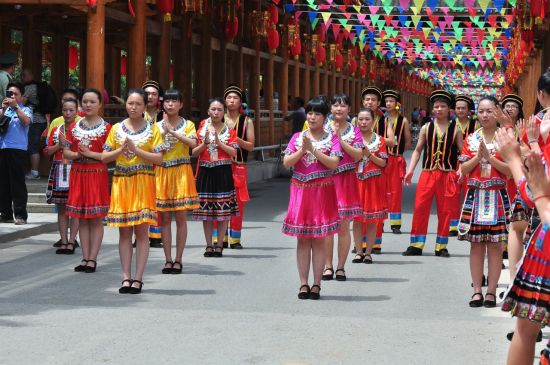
x: 486, y: 169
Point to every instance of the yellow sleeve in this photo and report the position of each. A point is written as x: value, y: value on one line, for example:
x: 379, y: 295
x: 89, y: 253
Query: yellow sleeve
x: 306, y: 126
x: 156, y: 144
x: 110, y: 142
x: 190, y: 131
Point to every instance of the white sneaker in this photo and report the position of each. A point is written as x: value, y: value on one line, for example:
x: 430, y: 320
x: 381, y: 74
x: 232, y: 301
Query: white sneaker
x: 31, y: 176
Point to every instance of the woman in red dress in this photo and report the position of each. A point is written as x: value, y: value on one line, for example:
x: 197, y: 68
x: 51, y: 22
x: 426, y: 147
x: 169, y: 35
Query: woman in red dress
x: 89, y: 181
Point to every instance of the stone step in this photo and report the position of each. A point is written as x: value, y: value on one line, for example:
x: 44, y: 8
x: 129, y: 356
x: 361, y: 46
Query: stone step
x: 40, y: 208
x: 38, y: 198
x: 37, y: 186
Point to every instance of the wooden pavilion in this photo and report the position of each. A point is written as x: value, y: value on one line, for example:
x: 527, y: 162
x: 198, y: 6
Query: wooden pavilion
x: 191, y: 46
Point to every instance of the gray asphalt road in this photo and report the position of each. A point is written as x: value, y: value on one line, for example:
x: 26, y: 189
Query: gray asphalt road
x: 242, y: 308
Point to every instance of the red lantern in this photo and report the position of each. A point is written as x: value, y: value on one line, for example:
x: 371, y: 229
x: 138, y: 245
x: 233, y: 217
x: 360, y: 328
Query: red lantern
x: 123, y: 65
x: 338, y: 61
x: 363, y: 70
x: 296, y: 49
x: 273, y: 13
x: 231, y: 28
x: 273, y: 39
x: 321, y: 54
x: 352, y: 66
x: 166, y: 7
x: 73, y: 57
x: 321, y: 33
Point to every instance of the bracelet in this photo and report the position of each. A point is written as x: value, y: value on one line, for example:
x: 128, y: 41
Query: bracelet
x: 540, y: 197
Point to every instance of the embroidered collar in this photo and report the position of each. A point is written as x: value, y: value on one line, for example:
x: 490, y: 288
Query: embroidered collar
x: 83, y: 132
x: 139, y: 137
x: 349, y: 133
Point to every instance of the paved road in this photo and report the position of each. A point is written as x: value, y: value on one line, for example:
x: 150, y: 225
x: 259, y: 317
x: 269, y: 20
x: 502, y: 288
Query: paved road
x: 242, y: 308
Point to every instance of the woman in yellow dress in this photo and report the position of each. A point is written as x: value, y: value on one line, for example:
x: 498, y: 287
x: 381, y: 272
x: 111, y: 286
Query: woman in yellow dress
x: 176, y: 191
x: 135, y: 145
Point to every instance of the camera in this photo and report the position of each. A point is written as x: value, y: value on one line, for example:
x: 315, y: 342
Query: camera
x: 9, y: 94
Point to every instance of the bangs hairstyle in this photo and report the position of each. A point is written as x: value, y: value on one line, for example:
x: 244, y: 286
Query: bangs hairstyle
x: 366, y: 110
x: 341, y: 98
x: 520, y: 109
x: 92, y: 91
x: 173, y: 94
x: 317, y: 105
x: 216, y: 99
x: 490, y: 98
x: 442, y: 100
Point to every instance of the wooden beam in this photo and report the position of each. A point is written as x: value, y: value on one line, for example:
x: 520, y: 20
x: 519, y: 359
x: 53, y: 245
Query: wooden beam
x: 268, y: 97
x: 296, y: 79
x: 95, y: 73
x: 183, y: 65
x: 164, y: 55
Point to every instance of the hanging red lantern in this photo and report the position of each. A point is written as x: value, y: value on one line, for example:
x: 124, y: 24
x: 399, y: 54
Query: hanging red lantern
x: 273, y: 14
x: 352, y: 66
x: 273, y: 39
x: 231, y: 28
x: 166, y: 7
x: 338, y: 61
x: 321, y: 33
x: 73, y: 57
x: 296, y: 48
x: 123, y: 65
x: 321, y: 54
x: 363, y: 70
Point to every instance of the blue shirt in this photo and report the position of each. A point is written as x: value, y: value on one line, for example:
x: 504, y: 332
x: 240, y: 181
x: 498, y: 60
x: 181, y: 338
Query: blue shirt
x: 17, y: 135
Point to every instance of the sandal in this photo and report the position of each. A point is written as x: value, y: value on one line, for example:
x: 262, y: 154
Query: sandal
x: 368, y: 259
x: 476, y: 303
x: 80, y: 268
x: 176, y: 270
x: 340, y: 277
x: 125, y: 289
x: 218, y: 251
x: 358, y: 258
x: 304, y: 294
x: 315, y: 295
x: 209, y: 251
x: 136, y: 290
x: 328, y: 276
x: 490, y: 303
x: 167, y: 270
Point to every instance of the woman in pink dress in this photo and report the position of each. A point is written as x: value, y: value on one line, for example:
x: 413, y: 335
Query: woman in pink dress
x: 312, y: 214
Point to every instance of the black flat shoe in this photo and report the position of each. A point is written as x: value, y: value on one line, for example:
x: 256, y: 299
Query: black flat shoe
x: 510, y: 335
x: 209, y: 251
x: 315, y: 295
x: 90, y: 269
x: 167, y: 270
x: 396, y: 230
x: 353, y: 250
x: 225, y: 244
x: 377, y: 251
x: 505, y: 255
x: 80, y: 268
x: 339, y: 277
x: 66, y: 250
x: 61, y: 250
x: 58, y: 244
x: 476, y: 303
x: 453, y: 233
x: 490, y: 303
x: 218, y: 251
x: 236, y: 246
x: 133, y: 289
x: 155, y: 242
x: 304, y: 294
x: 176, y: 270
x: 412, y: 251
x: 328, y: 276
x: 358, y: 259
x: 125, y: 289
x: 367, y: 259
x: 442, y: 253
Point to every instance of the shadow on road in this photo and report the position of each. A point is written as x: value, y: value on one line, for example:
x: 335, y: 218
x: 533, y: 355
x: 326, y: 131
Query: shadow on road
x: 356, y: 298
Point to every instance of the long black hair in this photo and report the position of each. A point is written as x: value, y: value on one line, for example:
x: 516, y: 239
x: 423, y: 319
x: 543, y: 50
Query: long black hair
x: 317, y: 105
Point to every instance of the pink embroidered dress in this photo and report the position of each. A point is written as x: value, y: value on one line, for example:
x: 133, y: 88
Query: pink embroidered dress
x: 345, y: 181
x: 313, y: 205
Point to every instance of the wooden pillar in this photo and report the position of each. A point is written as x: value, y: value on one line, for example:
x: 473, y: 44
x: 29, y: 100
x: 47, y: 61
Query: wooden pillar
x: 307, y: 76
x: 204, y: 83
x: 283, y: 94
x: 32, y: 48
x: 333, y: 81
x: 114, y: 71
x: 296, y: 79
x: 183, y: 64
x: 255, y: 92
x: 238, y: 64
x: 60, y: 63
x: 223, y: 65
x: 324, y: 88
x: 340, y: 87
x: 164, y: 54
x: 137, y: 50
x: 268, y: 97
x: 316, y: 80
x: 95, y: 42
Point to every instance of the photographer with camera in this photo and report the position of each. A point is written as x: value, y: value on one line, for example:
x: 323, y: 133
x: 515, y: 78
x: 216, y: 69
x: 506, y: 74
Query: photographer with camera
x: 14, y: 128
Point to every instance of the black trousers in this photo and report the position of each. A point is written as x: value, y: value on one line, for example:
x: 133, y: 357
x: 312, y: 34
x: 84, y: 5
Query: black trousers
x: 13, y: 190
